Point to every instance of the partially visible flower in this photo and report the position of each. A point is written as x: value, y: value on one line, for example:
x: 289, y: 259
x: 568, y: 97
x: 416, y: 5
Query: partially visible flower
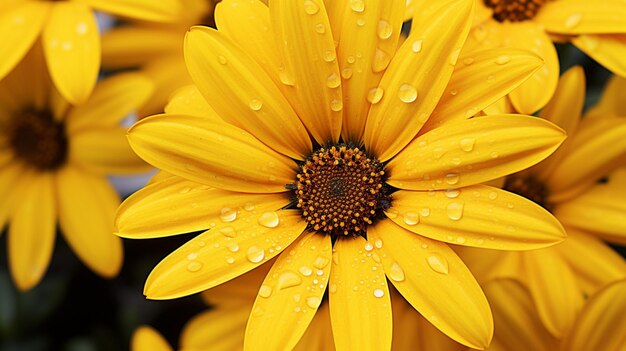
x: 565, y: 183
x: 596, y: 27
x: 598, y: 326
x: 53, y: 165
x: 69, y: 36
x: 146, y: 338
x: 157, y: 49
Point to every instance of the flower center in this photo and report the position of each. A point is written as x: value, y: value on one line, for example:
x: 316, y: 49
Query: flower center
x: 341, y: 190
x: 38, y: 140
x: 530, y: 188
x: 514, y: 10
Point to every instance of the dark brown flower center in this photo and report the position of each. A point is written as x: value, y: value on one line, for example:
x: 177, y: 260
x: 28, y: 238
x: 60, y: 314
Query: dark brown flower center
x: 38, y: 140
x: 514, y: 10
x: 530, y: 188
x: 341, y: 190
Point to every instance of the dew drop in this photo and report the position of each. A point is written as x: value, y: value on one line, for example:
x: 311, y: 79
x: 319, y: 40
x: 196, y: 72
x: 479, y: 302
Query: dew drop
x: 248, y: 206
x: 438, y: 152
x: 378, y: 244
x: 425, y: 212
x: 346, y: 73
x: 375, y: 95
x: 396, y: 273
x: 336, y: 105
x: 320, y: 262
x: 332, y: 288
x: 360, y: 22
x: 453, y: 92
x: 454, y: 57
x: 329, y: 55
x: 230, y: 260
x: 305, y: 271
x: 285, y: 77
x: 468, y: 61
x: 255, y: 254
x: 310, y: 7
x: 228, y: 231
x: 269, y: 219
x: 417, y: 46
x: 467, y: 144
x: 455, y: 211
x: 313, y: 301
x: 228, y: 214
x: 452, y: 193
x: 493, y: 195
x: 320, y: 28
x: 194, y: 266
x: 411, y: 218
x: 265, y: 291
x: 222, y: 60
x: 379, y: 293
x: 384, y: 29
x: 233, y: 247
x: 503, y: 59
x: 392, y: 213
x: 81, y: 28
x: 381, y: 61
x: 460, y: 240
x: 287, y: 279
x: 369, y: 246
x: 407, y: 93
x: 452, y: 178
x: 357, y: 5
x: 438, y: 263
x: 573, y: 20
x: 333, y: 80
x: 255, y: 104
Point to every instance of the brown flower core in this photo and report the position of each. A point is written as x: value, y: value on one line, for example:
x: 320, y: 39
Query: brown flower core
x: 341, y: 190
x: 38, y: 140
x: 530, y: 188
x: 514, y: 10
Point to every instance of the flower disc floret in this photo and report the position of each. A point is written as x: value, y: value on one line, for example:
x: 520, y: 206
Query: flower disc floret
x: 514, y: 10
x: 38, y: 140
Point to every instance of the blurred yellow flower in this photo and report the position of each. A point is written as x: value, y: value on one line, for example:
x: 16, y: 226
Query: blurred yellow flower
x: 327, y: 150
x: 596, y: 27
x: 53, y: 162
x: 565, y: 183
x: 157, y: 49
x: 69, y: 36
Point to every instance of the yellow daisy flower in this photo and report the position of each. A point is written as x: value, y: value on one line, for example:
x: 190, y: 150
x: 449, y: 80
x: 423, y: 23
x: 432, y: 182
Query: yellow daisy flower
x: 598, y: 326
x: 340, y: 174
x: 157, y: 50
x: 558, y: 277
x: 53, y: 162
x: 69, y: 36
x: 597, y: 28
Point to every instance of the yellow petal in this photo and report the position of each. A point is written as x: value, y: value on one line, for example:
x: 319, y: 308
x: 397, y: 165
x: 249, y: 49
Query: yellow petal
x: 72, y: 46
x: 168, y: 73
x: 594, y: 263
x: 19, y: 28
x: 600, y: 149
x: 582, y: 17
x: 518, y: 326
x: 9, y: 176
x: 242, y: 93
x: 564, y: 110
x: 488, y: 264
x: 218, y: 329
x: 239, y: 292
x: 319, y: 335
x: 112, y: 100
x: 290, y: 294
x: 105, y: 151
x: 368, y: 42
x: 480, y: 80
x: 600, y: 210
x: 477, y: 216
x: 222, y: 253
x: 87, y: 205
x: 434, y: 280
x: 189, y: 101
x: 599, y: 326
x: 158, y: 11
x: 607, y: 49
x: 32, y: 230
x: 131, y: 46
x: 553, y: 287
x: 467, y: 152
x: 146, y: 338
x: 255, y: 37
x: 310, y: 66
x: 416, y: 79
x: 175, y: 206
x: 611, y: 102
x: 210, y: 152
x: 360, y: 308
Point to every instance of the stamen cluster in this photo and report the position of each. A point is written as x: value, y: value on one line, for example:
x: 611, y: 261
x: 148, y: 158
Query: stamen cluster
x: 514, y: 10
x: 341, y: 191
x: 530, y: 188
x: 38, y: 140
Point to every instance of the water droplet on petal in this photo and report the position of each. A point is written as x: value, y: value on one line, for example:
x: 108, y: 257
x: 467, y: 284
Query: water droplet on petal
x: 416, y: 47
x: 378, y: 244
x: 392, y: 213
x: 396, y: 273
x: 194, y: 266
x: 228, y: 214
x: 313, y: 301
x: 329, y: 55
x: 375, y: 95
x: 184, y: 190
x: 452, y: 178
x: 438, y: 263
x: 320, y: 262
x: 381, y: 61
x: 287, y: 279
x: 333, y: 80
x: 336, y: 105
x: 379, y: 293
x: 233, y: 247
x: 468, y: 61
x: 222, y: 60
x: 248, y: 206
x: 255, y: 104
x: 320, y: 28
x: 228, y: 231
x: 310, y: 7
x: 573, y: 20
x: 357, y: 5
x: 269, y: 219
x: 346, y: 73
x: 384, y: 29
x: 265, y: 291
x: 407, y: 93
x: 255, y: 254
x: 369, y: 246
x: 503, y: 59
x: 454, y: 56
x: 452, y: 193
x: 411, y: 218
x: 455, y: 211
x: 467, y: 144
x: 425, y: 212
x: 305, y: 271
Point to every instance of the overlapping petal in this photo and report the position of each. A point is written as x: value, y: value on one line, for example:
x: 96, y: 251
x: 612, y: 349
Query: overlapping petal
x: 189, y: 101
x: 608, y: 49
x: 218, y: 329
x: 360, y: 308
x: 224, y: 252
x: 159, y: 11
x: 212, y: 153
x: 581, y: 17
x: 467, y: 152
x: 147, y: 339
x: 433, y: 279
